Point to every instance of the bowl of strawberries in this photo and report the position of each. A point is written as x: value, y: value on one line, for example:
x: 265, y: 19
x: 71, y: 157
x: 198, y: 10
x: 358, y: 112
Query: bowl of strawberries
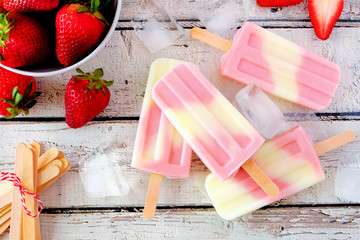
x: 48, y: 37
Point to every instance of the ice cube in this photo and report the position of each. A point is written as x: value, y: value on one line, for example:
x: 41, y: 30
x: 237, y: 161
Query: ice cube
x: 219, y: 16
x: 260, y: 111
x: 155, y: 27
x: 347, y: 184
x: 307, y: 119
x: 102, y: 176
x: 155, y: 36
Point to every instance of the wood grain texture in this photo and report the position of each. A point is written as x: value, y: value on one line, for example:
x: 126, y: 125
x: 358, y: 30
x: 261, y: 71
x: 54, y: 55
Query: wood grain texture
x: 272, y: 223
x: 248, y: 9
x: 127, y: 61
x: 68, y: 191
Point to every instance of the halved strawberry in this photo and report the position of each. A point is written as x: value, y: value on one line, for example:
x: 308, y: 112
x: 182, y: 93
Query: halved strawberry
x: 324, y: 14
x: 277, y: 3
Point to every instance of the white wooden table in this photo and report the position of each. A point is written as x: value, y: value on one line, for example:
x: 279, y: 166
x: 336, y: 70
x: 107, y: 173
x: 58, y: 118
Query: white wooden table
x: 185, y: 212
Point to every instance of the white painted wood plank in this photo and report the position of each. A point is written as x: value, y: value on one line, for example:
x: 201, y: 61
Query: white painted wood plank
x: 185, y: 9
x: 68, y: 191
x: 285, y: 223
x: 126, y: 60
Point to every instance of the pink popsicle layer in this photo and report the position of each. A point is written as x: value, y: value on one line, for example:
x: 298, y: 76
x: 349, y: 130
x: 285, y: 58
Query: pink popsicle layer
x: 280, y: 67
x: 159, y: 148
x: 289, y: 160
x: 221, y: 137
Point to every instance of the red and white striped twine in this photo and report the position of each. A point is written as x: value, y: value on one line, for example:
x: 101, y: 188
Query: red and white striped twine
x: 11, y: 177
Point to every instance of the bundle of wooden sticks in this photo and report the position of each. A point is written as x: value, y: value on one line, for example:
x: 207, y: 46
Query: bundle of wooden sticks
x: 36, y: 174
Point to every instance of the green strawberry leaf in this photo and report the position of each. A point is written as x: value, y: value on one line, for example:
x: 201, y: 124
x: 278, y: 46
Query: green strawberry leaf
x: 26, y: 111
x: 21, y: 103
x: 12, y: 111
x: 30, y: 104
x: 94, y: 79
x: 3, y: 19
x: 106, y: 3
x: 83, y: 9
x: 107, y: 83
x: 18, y: 98
x: 81, y: 78
x: 80, y: 71
x: 99, y: 73
x: 99, y: 16
x: 36, y: 94
x: 9, y: 101
x: 95, y: 5
x: 15, y: 90
x: 91, y: 85
x: 28, y: 90
x: 1, y: 57
x: 5, y: 28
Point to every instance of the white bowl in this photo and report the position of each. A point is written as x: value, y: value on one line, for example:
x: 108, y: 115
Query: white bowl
x: 38, y: 71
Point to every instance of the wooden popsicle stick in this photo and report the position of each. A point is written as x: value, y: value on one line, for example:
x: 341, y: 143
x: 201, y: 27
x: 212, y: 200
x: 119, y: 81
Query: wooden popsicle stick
x: 322, y: 147
x: 6, y: 188
x: 261, y: 178
x: 63, y: 170
x: 56, y: 162
x: 16, y: 211
x: 211, y: 39
x: 6, y: 191
x: 47, y: 157
x: 65, y: 162
x: 29, y: 172
x: 4, y: 218
x: 36, y: 155
x: 334, y: 142
x: 37, y: 147
x: 65, y: 166
x: 152, y: 195
x: 4, y: 226
x: 61, y: 155
x: 44, y: 185
x: 4, y: 210
x: 47, y: 174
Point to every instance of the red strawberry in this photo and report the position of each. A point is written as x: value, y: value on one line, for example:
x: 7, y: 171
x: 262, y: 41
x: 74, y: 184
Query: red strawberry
x: 23, y: 41
x: 2, y: 9
x: 17, y: 93
x: 78, y: 29
x: 85, y: 97
x: 277, y: 3
x: 324, y: 14
x: 30, y: 5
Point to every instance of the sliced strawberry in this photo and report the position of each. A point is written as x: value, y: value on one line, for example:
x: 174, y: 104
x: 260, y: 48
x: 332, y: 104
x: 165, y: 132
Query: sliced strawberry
x: 278, y: 3
x: 324, y: 14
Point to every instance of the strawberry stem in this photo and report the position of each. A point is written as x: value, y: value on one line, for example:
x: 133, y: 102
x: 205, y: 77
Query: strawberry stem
x: 20, y: 102
x: 5, y: 28
x: 94, y: 9
x: 94, y: 79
